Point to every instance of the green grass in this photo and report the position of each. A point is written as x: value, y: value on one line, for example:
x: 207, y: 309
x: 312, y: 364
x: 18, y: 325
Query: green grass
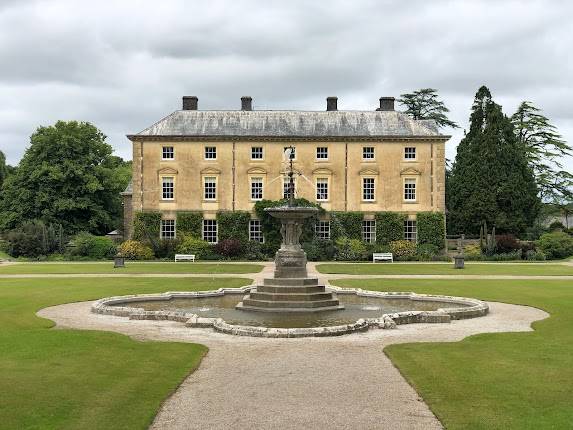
x: 446, y: 269
x: 130, y: 267
x: 70, y: 379
x: 494, y: 381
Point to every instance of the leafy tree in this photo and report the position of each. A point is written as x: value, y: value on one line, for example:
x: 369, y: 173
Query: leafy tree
x: 544, y: 148
x: 490, y: 179
x: 424, y: 104
x: 3, y: 168
x: 67, y: 176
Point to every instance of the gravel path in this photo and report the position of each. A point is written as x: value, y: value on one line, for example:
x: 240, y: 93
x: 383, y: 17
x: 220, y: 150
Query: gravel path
x: 318, y: 383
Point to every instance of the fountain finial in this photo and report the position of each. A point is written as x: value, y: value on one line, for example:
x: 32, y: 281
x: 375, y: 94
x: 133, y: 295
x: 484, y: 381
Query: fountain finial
x: 289, y: 154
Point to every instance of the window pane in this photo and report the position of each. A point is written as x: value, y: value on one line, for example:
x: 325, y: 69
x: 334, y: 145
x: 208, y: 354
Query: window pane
x: 409, y: 189
x: 256, y: 188
x: 210, y: 188
x: 369, y: 231
x: 322, y: 153
x: 168, y: 153
x: 322, y: 230
x: 410, y: 230
x: 167, y: 188
x: 368, y: 189
x: 211, y: 152
x: 168, y: 228
x: 368, y: 152
x: 410, y: 153
x: 322, y: 189
x: 286, y: 185
x: 257, y: 153
x: 210, y: 230
x: 255, y: 231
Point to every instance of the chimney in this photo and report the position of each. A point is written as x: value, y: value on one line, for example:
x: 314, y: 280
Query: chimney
x: 246, y: 103
x: 331, y: 103
x: 386, y: 104
x: 190, y: 102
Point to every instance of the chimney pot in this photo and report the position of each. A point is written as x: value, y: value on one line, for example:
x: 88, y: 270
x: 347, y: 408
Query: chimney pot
x: 246, y: 103
x: 331, y: 103
x: 386, y: 104
x: 190, y: 102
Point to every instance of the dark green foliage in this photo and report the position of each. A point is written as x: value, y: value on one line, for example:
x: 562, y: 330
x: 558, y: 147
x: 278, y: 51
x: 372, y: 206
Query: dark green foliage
x: 350, y: 249
x: 254, y: 251
x: 189, y: 224
x: 34, y: 238
x: 3, y: 168
x: 67, y: 176
x: 427, y: 251
x: 556, y: 245
x: 319, y: 250
x: 201, y: 249
x: 165, y: 248
x: 556, y: 225
x: 346, y: 224
x: 229, y: 248
x: 424, y: 104
x: 146, y: 225
x: 233, y: 225
x: 431, y: 229
x: 490, y: 179
x: 389, y: 227
x: 93, y: 247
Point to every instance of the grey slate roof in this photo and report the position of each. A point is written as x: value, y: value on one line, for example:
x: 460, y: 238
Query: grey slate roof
x: 312, y: 124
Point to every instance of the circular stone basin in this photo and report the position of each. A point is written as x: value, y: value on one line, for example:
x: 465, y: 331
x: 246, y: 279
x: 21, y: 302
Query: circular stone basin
x: 362, y: 309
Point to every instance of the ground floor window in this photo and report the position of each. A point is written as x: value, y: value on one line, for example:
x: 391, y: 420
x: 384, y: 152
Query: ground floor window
x: 255, y: 231
x: 369, y: 230
x: 167, y: 228
x: 210, y: 230
x: 322, y: 230
x: 410, y: 230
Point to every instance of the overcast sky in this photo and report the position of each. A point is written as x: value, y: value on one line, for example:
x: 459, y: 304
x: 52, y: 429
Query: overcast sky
x: 124, y: 64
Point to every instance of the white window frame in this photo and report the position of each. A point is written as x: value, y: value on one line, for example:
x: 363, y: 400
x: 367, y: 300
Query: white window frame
x: 168, y: 188
x: 167, y: 225
x: 164, y: 152
x: 257, y: 179
x: 373, y: 181
x: 323, y: 182
x: 409, y: 190
x: 322, y: 155
x: 207, y: 151
x: 411, y: 230
x: 209, y: 226
x: 369, y: 230
x: 364, y: 153
x: 285, y: 186
x: 322, y: 230
x: 256, y: 234
x: 210, y: 180
x: 410, y: 153
x: 262, y: 153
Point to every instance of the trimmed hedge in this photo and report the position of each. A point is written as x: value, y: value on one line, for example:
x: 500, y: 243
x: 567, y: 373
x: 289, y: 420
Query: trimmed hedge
x: 346, y: 224
x: 233, y: 225
x: 431, y: 229
x: 190, y: 224
x: 389, y: 227
x: 146, y: 225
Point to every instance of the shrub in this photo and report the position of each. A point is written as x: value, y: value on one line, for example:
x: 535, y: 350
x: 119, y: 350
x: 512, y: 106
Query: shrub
x: 389, y: 227
x: 556, y: 245
x: 472, y: 252
x: 427, y: 251
x: 507, y: 256
x: 233, y: 225
x: 34, y: 238
x: 319, y: 250
x: 200, y: 248
x: 146, y: 225
x: 165, y: 248
x: 350, y: 249
x: 533, y: 255
x: 93, y: 247
x: 431, y: 228
x: 403, y: 249
x: 229, y: 248
x: 556, y: 226
x: 135, y: 250
x: 346, y: 225
x: 189, y: 224
x: 506, y: 243
x: 254, y: 251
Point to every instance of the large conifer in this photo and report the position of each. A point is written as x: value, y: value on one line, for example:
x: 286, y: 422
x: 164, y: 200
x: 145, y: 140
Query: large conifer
x: 490, y: 179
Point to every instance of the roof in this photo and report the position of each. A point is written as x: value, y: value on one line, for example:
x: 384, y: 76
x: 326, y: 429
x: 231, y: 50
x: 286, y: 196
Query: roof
x: 284, y: 124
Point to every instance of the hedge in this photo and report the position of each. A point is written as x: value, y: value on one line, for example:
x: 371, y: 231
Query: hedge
x: 346, y: 224
x: 431, y: 228
x: 389, y: 227
x: 233, y: 225
x: 190, y: 224
x: 146, y: 225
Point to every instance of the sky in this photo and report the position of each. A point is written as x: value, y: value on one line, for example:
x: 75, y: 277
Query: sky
x: 123, y: 65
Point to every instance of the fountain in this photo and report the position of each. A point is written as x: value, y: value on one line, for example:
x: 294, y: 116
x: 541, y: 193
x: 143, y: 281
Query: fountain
x: 290, y: 290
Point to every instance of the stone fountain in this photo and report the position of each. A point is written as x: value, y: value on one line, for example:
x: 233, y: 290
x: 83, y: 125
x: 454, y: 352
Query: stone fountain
x: 290, y: 290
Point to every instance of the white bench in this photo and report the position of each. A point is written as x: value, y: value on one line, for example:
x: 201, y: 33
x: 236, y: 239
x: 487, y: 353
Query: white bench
x: 382, y: 256
x: 184, y: 257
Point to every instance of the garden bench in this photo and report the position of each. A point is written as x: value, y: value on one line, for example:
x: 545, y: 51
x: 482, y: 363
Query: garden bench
x: 184, y: 257
x: 382, y: 256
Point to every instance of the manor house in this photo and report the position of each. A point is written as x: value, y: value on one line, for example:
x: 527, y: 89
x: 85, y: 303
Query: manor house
x: 210, y: 161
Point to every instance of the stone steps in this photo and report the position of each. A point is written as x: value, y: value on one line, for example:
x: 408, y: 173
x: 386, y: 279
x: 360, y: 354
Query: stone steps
x: 290, y: 297
x: 275, y: 289
x: 294, y: 282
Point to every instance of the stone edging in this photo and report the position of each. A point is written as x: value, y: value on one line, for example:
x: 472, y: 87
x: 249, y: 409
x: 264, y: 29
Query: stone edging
x: 471, y: 308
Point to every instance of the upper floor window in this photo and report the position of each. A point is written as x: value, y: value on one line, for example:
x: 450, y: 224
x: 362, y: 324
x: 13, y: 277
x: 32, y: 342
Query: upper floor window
x: 210, y: 188
x: 256, y: 152
x: 256, y: 188
x: 168, y: 228
x: 168, y: 153
x: 167, y: 188
x: 410, y: 153
x: 286, y: 183
x: 322, y: 153
x: 210, y: 152
x: 410, y: 189
x: 369, y: 231
x: 322, y: 189
x: 322, y: 230
x: 368, y: 191
x: 210, y: 230
x: 368, y: 153
x: 410, y: 230
x: 293, y: 153
x: 255, y: 231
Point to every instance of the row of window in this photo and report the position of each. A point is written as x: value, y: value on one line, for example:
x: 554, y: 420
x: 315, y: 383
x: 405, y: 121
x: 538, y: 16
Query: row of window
x: 321, y: 186
x: 368, y: 153
x: 322, y: 230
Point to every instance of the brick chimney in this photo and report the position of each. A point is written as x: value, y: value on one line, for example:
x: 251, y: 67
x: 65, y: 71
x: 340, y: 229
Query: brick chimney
x: 246, y: 103
x: 190, y: 102
x: 386, y: 104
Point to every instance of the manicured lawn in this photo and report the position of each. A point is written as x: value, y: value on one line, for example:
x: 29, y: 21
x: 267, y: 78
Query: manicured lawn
x: 446, y: 269
x: 70, y: 379
x: 494, y: 381
x: 130, y: 267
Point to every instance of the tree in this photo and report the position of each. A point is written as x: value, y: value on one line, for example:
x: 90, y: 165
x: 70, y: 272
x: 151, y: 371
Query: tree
x: 3, y: 168
x: 490, y: 179
x: 544, y: 148
x: 67, y: 176
x: 424, y: 104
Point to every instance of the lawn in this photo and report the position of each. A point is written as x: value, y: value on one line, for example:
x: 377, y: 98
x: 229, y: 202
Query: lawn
x: 530, y: 269
x: 130, y: 267
x: 494, y: 381
x: 70, y: 379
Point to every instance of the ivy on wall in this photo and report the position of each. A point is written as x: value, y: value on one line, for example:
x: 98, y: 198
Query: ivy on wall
x: 146, y: 225
x: 389, y: 227
x: 233, y: 225
x: 189, y: 224
x: 346, y: 224
x: 431, y: 228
